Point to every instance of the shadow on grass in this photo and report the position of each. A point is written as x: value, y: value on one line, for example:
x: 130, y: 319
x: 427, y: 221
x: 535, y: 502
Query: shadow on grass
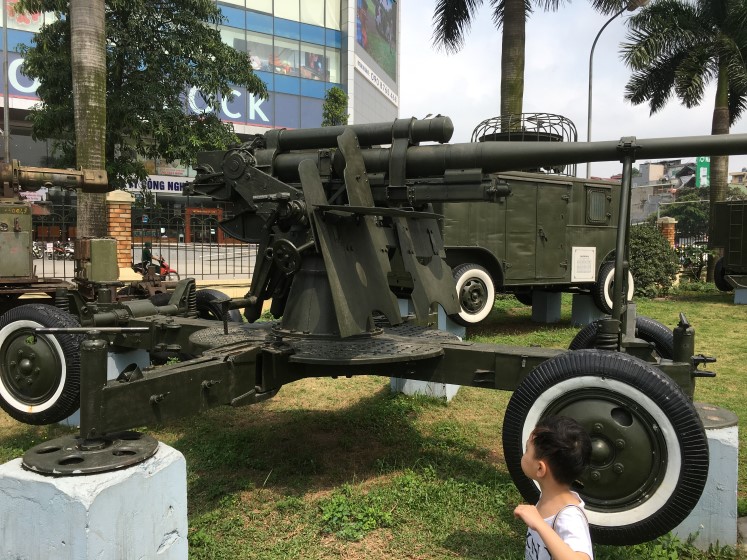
x: 297, y: 452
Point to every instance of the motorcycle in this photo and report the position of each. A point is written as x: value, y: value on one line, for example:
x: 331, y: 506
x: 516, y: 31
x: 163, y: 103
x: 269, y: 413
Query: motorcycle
x: 61, y: 251
x: 165, y: 273
x: 37, y: 249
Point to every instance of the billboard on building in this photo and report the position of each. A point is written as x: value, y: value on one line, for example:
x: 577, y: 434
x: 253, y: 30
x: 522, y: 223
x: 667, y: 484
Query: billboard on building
x: 703, y: 172
x: 376, y: 32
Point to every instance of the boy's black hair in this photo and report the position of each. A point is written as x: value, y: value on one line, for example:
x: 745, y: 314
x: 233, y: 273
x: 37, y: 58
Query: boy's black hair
x: 564, y: 445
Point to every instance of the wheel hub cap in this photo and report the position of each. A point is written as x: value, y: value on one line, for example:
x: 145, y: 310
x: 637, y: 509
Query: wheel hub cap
x: 31, y: 368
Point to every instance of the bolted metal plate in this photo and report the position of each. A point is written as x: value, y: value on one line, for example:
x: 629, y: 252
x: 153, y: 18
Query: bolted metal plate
x: 396, y: 344
x: 71, y: 455
x: 215, y: 336
x: 403, y: 342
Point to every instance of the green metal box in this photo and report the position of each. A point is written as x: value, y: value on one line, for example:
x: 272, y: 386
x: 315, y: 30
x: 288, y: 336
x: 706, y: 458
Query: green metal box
x: 15, y: 239
x: 98, y: 259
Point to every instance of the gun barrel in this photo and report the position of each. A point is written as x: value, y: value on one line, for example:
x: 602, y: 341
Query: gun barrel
x: 437, y: 129
x: 493, y: 157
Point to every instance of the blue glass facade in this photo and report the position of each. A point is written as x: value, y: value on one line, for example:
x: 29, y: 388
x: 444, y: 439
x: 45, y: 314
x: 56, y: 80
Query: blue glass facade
x: 299, y: 61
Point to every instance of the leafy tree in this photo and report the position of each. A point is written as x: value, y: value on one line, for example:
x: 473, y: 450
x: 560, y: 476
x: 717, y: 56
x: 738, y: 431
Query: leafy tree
x: 452, y: 20
x: 156, y: 52
x: 335, y: 108
x: 678, y: 47
x: 653, y: 263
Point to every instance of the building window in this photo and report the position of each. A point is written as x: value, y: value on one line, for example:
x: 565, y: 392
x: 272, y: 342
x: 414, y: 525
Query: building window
x: 233, y: 38
x: 313, y: 62
x: 333, y: 65
x: 312, y: 11
x: 286, y: 58
x: 260, y: 51
x: 287, y: 9
x: 333, y: 14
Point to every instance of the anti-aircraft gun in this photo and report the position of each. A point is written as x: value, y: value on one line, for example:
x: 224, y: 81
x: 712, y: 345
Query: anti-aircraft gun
x: 344, y: 228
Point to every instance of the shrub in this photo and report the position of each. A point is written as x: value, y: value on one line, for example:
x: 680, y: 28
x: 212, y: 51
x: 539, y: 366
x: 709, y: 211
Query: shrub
x: 653, y: 262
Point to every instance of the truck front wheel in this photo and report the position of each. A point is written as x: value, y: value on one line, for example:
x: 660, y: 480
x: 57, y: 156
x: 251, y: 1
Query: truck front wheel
x: 649, y: 459
x: 476, y: 293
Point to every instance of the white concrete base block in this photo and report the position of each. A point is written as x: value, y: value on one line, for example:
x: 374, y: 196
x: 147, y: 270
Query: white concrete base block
x: 116, y: 360
x: 138, y: 512
x: 545, y: 307
x: 584, y: 310
x: 438, y: 390
x: 740, y: 296
x: 714, y: 518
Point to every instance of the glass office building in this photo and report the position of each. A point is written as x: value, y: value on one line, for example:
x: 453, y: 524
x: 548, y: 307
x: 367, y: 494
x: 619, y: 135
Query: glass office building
x: 300, y: 48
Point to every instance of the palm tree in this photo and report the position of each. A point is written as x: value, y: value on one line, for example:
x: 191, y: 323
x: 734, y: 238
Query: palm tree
x: 88, y: 50
x: 452, y: 20
x: 680, y: 46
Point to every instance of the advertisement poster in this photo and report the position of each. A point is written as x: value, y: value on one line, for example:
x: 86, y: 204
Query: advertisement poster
x: 376, y: 32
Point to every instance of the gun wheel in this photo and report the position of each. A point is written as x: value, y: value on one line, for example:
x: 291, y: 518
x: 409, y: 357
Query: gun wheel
x: 645, y: 329
x: 649, y: 459
x: 475, y: 292
x: 39, y: 373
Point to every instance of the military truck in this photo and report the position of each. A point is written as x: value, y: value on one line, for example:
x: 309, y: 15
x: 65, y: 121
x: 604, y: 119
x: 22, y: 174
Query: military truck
x: 730, y: 234
x: 553, y: 232
x: 550, y: 233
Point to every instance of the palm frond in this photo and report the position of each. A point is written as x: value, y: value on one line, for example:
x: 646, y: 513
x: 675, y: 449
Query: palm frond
x: 694, y: 72
x: 451, y: 22
x: 654, y: 84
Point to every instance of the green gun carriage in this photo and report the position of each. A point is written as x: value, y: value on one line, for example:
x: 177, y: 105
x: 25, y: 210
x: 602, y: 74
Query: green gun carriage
x: 345, y: 228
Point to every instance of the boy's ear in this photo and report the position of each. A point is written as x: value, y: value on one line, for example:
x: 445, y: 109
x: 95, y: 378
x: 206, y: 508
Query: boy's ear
x: 541, y: 468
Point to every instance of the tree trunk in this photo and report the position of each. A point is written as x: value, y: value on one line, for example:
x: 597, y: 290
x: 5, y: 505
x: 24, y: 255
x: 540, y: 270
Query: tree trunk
x: 719, y: 164
x: 88, y: 45
x: 512, y: 57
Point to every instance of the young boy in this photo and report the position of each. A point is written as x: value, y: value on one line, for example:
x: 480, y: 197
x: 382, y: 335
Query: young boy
x: 557, y: 452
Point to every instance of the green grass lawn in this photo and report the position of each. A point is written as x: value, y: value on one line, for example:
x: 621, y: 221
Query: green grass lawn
x: 343, y: 469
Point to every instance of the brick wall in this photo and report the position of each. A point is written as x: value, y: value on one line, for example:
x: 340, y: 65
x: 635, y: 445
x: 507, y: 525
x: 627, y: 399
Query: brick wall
x: 666, y: 227
x: 119, y: 208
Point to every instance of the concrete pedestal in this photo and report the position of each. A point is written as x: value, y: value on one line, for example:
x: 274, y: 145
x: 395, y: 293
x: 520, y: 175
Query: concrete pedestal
x: 545, y: 306
x: 714, y: 518
x: 138, y: 512
x: 740, y: 296
x: 439, y: 390
x: 584, y: 310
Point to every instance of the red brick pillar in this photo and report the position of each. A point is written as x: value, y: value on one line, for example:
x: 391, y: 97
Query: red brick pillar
x: 666, y: 227
x: 119, y: 209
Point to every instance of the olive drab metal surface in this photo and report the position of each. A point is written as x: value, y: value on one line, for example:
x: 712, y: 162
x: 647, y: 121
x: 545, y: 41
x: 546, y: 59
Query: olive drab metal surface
x: 344, y: 228
x: 550, y: 233
x: 730, y: 234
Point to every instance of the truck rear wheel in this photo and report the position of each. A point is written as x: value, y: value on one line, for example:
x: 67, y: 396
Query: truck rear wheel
x: 604, y: 286
x: 649, y: 461
x: 475, y: 292
x: 39, y: 373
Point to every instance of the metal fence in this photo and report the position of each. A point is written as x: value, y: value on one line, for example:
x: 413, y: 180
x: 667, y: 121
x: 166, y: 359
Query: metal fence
x: 188, y: 238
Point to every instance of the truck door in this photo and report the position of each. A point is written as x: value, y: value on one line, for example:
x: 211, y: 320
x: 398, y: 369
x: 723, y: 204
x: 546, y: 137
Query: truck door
x: 521, y: 232
x: 552, y: 219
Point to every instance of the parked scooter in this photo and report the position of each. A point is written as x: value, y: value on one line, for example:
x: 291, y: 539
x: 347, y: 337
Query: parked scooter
x: 61, y: 251
x: 166, y: 272
x: 37, y: 249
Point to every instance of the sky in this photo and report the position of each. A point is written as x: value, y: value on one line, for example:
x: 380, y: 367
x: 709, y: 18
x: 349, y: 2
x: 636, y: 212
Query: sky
x: 466, y: 86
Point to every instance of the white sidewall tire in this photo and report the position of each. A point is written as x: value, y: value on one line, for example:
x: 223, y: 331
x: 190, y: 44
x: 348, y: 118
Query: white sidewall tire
x: 482, y: 275
x: 674, y: 465
x: 607, y: 287
x: 6, y: 394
